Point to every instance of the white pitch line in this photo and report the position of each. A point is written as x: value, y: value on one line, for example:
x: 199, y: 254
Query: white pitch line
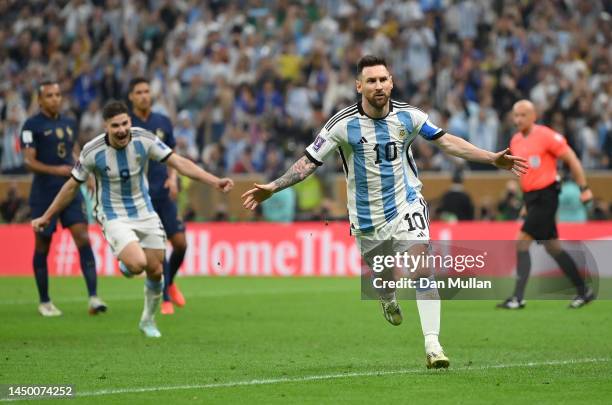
x: 210, y: 294
x: 270, y: 381
x: 281, y: 380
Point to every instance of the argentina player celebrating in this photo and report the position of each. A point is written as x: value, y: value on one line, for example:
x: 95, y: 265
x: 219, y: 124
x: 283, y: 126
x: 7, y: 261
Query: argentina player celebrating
x: 373, y: 138
x: 118, y: 159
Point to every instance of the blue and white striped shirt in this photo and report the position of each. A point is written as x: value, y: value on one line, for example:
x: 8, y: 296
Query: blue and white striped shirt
x: 381, y: 174
x: 122, y: 189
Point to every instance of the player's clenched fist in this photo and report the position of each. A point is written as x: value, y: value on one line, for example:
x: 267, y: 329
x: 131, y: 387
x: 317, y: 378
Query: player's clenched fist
x: 39, y: 224
x: 225, y: 184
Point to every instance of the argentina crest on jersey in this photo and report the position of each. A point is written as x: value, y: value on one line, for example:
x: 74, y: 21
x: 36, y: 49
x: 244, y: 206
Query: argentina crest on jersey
x: 402, y: 132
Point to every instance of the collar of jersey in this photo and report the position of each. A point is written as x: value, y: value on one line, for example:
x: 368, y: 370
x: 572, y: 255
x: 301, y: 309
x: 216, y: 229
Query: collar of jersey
x: 362, y: 112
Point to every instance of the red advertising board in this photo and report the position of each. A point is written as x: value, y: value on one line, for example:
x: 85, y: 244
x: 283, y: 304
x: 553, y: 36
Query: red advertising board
x: 260, y: 249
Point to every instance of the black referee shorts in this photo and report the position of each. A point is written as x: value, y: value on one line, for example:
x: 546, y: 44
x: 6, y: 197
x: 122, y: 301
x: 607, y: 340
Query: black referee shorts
x: 541, y: 205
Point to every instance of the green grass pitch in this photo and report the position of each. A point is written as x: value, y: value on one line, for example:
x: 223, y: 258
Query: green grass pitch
x: 308, y: 340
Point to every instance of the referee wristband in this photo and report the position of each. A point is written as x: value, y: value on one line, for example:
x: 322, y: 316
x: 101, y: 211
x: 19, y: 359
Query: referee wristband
x: 584, y: 188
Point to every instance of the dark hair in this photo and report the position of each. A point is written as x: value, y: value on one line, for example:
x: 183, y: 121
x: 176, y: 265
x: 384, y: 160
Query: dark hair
x: 46, y: 82
x: 135, y: 81
x: 370, y: 60
x: 113, y: 108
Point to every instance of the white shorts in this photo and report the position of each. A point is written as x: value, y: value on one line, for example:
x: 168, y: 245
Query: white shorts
x: 149, y: 232
x: 409, y: 227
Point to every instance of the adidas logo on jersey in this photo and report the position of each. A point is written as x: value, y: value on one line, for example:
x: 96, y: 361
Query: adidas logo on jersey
x: 363, y: 140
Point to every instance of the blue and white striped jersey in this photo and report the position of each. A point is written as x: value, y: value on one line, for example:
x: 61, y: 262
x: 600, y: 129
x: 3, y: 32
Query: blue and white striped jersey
x: 381, y: 174
x: 122, y: 189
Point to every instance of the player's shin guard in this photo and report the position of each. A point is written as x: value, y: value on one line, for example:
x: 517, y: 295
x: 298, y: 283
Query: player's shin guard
x: 88, y: 268
x: 152, y: 297
x: 167, y: 277
x: 176, y: 259
x: 428, y: 304
x: 41, y: 275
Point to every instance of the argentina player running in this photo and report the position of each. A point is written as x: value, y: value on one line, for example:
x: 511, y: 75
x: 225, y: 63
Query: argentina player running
x: 373, y: 138
x: 118, y: 160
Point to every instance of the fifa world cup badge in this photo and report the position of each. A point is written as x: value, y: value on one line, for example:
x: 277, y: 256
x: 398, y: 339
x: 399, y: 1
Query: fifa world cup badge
x: 160, y: 134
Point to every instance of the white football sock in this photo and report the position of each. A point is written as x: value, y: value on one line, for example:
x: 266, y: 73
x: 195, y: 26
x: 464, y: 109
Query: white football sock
x: 428, y: 304
x: 152, y: 297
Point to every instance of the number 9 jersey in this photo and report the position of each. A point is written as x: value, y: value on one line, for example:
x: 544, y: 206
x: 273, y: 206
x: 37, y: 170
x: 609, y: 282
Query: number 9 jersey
x: 381, y: 175
x: 122, y: 189
x: 53, y: 139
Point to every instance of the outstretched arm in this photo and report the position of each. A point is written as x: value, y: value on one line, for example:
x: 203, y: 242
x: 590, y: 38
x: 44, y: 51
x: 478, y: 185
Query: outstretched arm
x: 301, y: 169
x: 61, y: 201
x: 187, y: 168
x: 453, y: 145
x: 296, y: 173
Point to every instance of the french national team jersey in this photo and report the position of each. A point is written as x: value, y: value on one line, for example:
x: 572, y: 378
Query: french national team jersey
x: 160, y: 126
x: 122, y: 189
x: 381, y: 174
x: 53, y: 139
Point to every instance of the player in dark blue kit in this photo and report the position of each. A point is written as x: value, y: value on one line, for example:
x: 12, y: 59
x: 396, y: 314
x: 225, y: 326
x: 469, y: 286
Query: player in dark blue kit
x: 163, y: 188
x: 48, y: 140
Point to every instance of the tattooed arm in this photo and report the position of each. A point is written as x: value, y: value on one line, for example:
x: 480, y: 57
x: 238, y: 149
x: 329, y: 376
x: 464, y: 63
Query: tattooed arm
x: 296, y: 173
x: 301, y: 169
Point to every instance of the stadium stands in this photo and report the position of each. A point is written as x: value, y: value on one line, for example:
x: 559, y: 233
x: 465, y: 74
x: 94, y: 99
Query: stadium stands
x: 246, y: 83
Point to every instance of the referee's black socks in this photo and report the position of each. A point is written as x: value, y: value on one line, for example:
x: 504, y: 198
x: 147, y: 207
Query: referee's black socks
x: 568, y: 265
x: 523, y: 267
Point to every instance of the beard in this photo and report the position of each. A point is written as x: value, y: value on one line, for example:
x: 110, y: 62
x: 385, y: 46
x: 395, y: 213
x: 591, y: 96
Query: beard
x: 378, y: 100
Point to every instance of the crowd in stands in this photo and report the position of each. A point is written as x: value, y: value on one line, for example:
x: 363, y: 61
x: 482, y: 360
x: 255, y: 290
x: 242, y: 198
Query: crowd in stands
x: 247, y: 83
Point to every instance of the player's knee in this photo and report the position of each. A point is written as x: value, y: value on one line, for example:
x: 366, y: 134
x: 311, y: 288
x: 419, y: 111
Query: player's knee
x: 136, y: 265
x: 81, y: 239
x: 523, y: 246
x: 553, y: 250
x: 422, y: 272
x: 155, y: 271
x: 179, y: 243
x: 42, y: 244
x: 180, y: 247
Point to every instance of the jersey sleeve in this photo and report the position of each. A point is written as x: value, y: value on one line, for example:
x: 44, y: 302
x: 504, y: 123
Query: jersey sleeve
x: 557, y: 144
x: 326, y: 142
x: 156, y: 149
x: 83, y: 166
x: 27, y: 137
x: 425, y: 127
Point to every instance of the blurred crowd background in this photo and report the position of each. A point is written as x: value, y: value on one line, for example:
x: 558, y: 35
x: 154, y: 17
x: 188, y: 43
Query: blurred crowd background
x: 248, y: 83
